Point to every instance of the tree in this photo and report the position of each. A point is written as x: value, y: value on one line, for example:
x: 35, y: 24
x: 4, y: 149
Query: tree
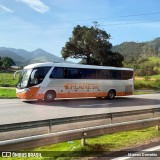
x: 92, y: 46
x: 7, y: 62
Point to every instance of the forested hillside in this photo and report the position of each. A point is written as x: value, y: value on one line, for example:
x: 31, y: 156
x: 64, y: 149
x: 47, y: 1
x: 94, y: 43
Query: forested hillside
x: 144, y: 57
x: 136, y: 50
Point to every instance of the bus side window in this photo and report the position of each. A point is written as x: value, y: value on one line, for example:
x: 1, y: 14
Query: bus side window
x: 75, y: 73
x: 100, y: 74
x: 115, y: 74
x: 107, y: 74
x: 83, y: 73
x: 79, y: 73
x: 127, y: 75
x: 66, y: 73
x: 93, y: 74
x: 57, y: 73
x: 123, y: 74
x: 52, y: 75
x: 86, y: 74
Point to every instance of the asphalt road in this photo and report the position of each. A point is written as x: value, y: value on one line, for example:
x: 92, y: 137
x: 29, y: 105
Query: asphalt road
x: 16, y: 110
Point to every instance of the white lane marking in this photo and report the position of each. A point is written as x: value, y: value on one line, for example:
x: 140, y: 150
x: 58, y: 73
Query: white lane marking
x: 95, y: 105
x: 146, y: 150
x: 152, y: 149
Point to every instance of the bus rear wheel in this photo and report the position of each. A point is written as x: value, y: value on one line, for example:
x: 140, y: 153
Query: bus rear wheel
x: 111, y: 94
x: 50, y: 96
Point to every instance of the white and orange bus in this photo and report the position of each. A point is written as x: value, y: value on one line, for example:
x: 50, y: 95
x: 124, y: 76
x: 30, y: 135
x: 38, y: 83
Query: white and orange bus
x: 47, y: 81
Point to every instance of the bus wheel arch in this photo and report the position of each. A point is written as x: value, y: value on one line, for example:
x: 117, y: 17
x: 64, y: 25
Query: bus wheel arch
x: 50, y: 95
x: 111, y: 94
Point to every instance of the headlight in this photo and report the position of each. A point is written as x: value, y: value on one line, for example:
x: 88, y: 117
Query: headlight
x: 22, y: 90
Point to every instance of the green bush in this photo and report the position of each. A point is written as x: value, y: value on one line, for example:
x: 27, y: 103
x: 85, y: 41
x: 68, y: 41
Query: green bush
x: 141, y: 84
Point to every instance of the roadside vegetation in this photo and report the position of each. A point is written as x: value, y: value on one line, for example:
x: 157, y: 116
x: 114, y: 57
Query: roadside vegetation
x: 147, y: 84
x: 7, y: 79
x: 7, y: 93
x: 109, y: 142
x: 143, y: 92
x: 105, y: 143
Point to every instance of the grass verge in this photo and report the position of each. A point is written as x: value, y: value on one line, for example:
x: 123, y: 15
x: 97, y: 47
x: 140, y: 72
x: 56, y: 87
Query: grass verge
x: 8, y: 80
x: 152, y: 84
x: 105, y: 143
x: 142, y: 92
x: 7, y: 93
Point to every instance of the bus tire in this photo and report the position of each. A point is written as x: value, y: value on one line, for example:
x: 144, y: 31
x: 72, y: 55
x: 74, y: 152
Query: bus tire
x: 50, y: 96
x: 111, y: 94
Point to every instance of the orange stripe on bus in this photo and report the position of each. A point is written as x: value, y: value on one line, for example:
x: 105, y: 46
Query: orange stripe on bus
x: 84, y: 94
x: 123, y: 93
x: 89, y: 94
x: 32, y: 94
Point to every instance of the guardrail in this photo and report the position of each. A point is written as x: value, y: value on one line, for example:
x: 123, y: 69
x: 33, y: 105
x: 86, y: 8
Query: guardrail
x: 129, y: 120
x: 110, y: 117
x: 52, y: 138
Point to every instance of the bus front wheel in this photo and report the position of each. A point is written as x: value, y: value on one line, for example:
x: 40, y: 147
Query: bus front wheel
x: 111, y: 94
x: 49, y: 96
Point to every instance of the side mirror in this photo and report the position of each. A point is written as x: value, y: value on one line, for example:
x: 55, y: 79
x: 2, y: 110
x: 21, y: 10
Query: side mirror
x: 16, y: 73
x: 33, y: 74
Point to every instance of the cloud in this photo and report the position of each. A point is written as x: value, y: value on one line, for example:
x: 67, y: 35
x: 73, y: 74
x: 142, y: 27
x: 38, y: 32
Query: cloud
x: 37, y: 5
x: 5, y: 9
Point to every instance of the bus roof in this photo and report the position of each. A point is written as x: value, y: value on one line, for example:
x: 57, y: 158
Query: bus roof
x: 73, y: 65
x: 34, y: 65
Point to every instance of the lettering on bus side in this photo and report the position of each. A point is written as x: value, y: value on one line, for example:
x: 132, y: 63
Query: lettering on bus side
x: 80, y: 86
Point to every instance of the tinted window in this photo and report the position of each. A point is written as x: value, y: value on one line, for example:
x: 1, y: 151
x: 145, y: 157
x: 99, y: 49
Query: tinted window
x: 127, y: 75
x: 88, y: 73
x: 66, y: 73
x: 42, y: 71
x: 107, y: 74
x: 115, y: 74
x: 103, y: 74
x: 75, y: 73
x: 70, y: 73
x: 57, y: 73
x: 82, y: 73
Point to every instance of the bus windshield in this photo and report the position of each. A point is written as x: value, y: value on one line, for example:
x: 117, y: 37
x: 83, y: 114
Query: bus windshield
x: 24, y: 77
x: 32, y: 77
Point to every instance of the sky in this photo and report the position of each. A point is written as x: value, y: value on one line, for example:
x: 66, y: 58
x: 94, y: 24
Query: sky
x: 48, y: 24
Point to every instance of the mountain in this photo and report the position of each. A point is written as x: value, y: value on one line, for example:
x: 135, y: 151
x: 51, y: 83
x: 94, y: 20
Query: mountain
x: 18, y: 59
x: 43, y: 56
x: 139, y: 50
x: 23, y: 57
